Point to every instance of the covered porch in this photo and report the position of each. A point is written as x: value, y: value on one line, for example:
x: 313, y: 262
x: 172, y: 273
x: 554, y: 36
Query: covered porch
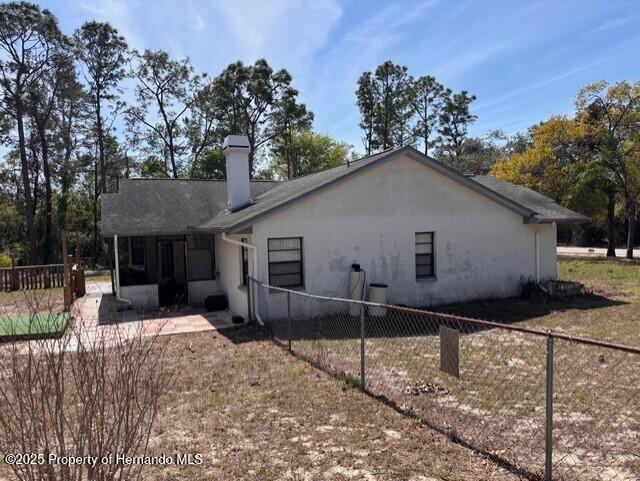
x: 165, y: 270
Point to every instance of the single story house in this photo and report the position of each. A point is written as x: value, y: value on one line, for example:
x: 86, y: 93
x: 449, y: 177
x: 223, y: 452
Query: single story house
x: 432, y: 234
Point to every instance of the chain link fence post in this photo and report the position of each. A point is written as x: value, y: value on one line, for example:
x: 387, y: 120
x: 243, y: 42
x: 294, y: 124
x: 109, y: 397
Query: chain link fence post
x: 289, y: 320
x: 548, y: 467
x: 362, y: 340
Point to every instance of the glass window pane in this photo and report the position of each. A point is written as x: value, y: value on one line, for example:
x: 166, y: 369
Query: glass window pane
x: 199, y: 265
x: 285, y: 256
x: 424, y: 271
x: 424, y: 248
x: 288, y: 243
x: 424, y: 237
x: 286, y: 268
x: 137, y: 251
x: 199, y: 241
x: 287, y: 280
x: 285, y: 261
x: 423, y: 259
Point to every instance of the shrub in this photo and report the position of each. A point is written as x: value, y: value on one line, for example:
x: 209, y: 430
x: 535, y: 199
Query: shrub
x: 531, y: 289
x: 5, y: 260
x: 87, y: 393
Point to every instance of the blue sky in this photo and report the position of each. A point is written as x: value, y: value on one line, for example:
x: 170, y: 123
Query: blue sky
x: 524, y: 60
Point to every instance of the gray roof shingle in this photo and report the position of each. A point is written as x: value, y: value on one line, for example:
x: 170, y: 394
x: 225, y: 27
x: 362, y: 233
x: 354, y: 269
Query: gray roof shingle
x: 166, y: 206
x: 159, y: 206
x: 546, y: 209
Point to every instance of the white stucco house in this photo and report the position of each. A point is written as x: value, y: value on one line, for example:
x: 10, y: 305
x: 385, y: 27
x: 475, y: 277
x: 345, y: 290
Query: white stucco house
x: 432, y: 234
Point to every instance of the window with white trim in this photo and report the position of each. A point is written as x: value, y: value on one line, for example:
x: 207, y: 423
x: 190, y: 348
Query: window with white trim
x: 285, y: 262
x: 425, y: 259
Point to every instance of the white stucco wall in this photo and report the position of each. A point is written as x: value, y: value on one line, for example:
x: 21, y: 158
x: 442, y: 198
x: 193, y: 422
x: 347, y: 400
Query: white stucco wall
x: 141, y: 297
x: 482, y: 248
x: 229, y: 273
x: 198, y: 290
x: 548, y: 238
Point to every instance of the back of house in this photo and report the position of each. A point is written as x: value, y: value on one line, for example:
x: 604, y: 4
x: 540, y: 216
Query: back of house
x: 400, y: 218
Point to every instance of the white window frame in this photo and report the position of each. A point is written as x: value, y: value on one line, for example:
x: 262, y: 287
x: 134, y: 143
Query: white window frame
x: 301, y: 261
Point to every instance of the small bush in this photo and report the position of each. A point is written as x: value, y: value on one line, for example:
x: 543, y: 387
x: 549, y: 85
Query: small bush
x: 350, y: 382
x: 531, y: 289
x: 5, y: 260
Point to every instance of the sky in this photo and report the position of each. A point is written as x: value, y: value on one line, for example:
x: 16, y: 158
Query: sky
x: 524, y: 60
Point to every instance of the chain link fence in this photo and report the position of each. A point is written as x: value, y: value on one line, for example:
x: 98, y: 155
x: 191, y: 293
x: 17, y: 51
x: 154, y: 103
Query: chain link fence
x: 549, y: 406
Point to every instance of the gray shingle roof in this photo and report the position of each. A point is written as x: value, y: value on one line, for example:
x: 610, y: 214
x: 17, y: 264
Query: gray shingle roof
x: 545, y: 208
x: 153, y: 207
x: 166, y: 206
x: 290, y: 191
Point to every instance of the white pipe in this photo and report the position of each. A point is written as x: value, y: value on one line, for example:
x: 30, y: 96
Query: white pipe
x: 255, y: 269
x: 537, y: 247
x: 117, y: 255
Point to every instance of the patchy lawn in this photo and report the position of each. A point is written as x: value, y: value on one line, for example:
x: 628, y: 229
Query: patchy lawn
x: 498, y: 403
x: 257, y: 413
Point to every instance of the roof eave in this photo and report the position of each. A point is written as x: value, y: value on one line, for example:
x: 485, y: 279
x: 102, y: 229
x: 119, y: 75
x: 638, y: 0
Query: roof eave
x: 557, y: 220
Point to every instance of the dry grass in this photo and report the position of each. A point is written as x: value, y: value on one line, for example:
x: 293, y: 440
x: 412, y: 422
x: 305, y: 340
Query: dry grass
x: 19, y: 302
x: 498, y: 402
x: 255, y: 412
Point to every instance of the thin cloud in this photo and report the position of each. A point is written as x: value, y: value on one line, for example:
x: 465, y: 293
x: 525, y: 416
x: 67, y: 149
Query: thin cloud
x: 538, y: 85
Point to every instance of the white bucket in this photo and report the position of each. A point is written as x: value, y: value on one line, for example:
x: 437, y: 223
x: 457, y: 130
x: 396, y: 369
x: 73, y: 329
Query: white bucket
x: 377, y: 294
x: 356, y: 288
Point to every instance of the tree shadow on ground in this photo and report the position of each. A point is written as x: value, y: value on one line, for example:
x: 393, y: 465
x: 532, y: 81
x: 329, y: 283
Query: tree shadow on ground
x: 338, y: 324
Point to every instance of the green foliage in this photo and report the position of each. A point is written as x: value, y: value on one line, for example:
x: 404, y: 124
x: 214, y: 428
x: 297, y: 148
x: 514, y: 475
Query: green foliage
x: 163, y: 94
x: 209, y: 165
x: 256, y: 101
x: 5, y: 260
x: 383, y: 99
x: 396, y: 109
x: 455, y: 119
x: 427, y: 98
x: 305, y: 153
x: 350, y: 382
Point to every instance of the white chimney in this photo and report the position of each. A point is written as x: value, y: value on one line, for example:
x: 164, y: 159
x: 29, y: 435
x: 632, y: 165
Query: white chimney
x: 236, y: 152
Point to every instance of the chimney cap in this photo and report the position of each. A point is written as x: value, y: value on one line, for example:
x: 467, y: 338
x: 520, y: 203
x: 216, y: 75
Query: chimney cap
x: 236, y: 142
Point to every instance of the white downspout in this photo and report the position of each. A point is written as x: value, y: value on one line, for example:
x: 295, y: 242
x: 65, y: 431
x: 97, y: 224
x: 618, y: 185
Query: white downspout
x: 537, y: 247
x: 255, y: 269
x: 117, y: 255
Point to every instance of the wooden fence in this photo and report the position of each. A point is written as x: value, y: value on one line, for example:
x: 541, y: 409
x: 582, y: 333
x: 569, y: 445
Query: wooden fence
x: 31, y: 277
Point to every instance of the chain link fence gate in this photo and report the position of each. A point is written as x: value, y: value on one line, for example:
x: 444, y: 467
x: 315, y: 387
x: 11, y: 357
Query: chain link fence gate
x: 550, y: 405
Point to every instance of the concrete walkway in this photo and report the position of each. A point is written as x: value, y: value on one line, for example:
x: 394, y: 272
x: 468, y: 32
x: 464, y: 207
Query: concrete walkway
x: 98, y: 311
x: 593, y: 252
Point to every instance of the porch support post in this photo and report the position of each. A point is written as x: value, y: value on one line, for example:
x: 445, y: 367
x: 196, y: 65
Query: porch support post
x: 117, y: 256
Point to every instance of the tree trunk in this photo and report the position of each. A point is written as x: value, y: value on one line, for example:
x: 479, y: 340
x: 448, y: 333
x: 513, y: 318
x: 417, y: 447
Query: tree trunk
x: 172, y: 156
x: 611, y: 224
x: 95, y: 217
x: 631, y: 235
x: 103, y: 169
x: 44, y: 145
x: 26, y: 183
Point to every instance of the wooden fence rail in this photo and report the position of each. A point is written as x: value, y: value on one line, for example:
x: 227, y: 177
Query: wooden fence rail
x: 31, y: 277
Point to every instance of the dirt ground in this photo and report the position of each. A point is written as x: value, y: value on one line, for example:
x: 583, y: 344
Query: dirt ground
x: 256, y: 413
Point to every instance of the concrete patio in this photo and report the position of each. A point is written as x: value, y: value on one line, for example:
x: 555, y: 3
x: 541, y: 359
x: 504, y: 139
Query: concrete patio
x: 99, y: 309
